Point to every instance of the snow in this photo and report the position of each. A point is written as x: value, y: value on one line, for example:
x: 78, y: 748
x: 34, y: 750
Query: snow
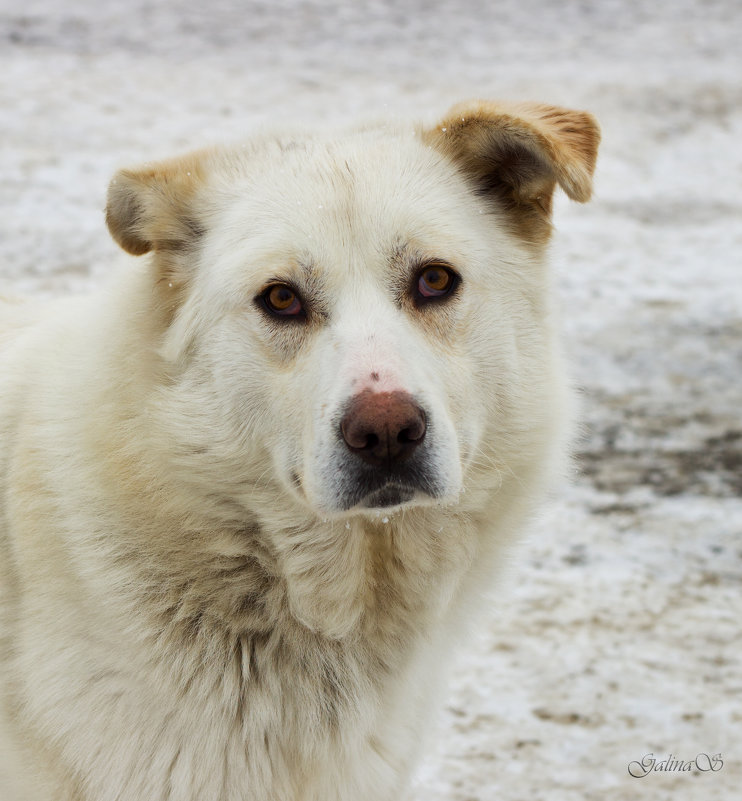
x: 618, y: 632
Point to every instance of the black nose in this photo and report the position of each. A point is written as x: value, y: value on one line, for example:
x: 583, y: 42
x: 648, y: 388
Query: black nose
x: 383, y: 428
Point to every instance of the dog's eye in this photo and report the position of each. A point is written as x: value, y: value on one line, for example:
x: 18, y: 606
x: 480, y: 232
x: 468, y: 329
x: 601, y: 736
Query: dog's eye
x: 281, y: 299
x: 434, y: 281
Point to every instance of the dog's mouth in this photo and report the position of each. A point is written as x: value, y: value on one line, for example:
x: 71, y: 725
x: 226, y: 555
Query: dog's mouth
x: 390, y: 495
x: 348, y: 484
x: 365, y: 488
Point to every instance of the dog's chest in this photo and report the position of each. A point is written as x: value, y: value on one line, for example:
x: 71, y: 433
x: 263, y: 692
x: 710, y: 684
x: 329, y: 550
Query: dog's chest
x: 271, y: 719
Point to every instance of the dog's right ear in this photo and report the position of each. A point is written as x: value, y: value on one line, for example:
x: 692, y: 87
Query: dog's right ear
x: 153, y: 208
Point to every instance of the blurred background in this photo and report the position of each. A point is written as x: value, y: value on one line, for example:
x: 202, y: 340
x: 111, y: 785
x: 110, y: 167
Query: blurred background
x: 618, y: 633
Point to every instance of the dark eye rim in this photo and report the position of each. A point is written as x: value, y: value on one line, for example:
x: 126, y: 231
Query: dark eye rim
x: 262, y: 300
x: 424, y: 300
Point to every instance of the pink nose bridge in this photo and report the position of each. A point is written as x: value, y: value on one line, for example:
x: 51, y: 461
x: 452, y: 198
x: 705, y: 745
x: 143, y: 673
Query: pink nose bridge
x: 375, y: 361
x: 383, y: 428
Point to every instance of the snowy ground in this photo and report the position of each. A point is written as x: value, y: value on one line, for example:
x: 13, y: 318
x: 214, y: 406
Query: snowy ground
x: 620, y: 633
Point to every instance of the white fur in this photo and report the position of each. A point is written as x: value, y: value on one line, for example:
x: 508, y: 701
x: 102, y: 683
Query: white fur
x: 180, y: 618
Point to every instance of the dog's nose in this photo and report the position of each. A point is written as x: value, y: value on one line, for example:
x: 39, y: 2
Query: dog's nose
x: 383, y: 428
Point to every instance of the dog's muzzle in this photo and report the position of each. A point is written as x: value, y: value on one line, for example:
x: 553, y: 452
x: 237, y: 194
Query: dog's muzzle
x: 385, y: 462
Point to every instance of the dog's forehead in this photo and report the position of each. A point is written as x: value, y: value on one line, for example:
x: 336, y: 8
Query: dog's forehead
x: 372, y: 182
x: 359, y: 199
x: 356, y: 161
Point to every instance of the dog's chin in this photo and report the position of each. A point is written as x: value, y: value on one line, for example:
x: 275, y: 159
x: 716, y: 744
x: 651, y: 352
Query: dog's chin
x: 388, y: 496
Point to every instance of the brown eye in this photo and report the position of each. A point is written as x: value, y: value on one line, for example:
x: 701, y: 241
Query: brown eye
x: 435, y: 281
x: 281, y: 299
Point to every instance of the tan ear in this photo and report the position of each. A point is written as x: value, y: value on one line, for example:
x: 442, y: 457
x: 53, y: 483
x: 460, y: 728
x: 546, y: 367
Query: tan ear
x: 153, y: 207
x: 518, y: 153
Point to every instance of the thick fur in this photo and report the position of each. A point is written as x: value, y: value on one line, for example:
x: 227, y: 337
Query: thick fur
x: 197, y: 600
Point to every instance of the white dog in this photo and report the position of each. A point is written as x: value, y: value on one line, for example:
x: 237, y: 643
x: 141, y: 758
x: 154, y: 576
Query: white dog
x: 248, y: 493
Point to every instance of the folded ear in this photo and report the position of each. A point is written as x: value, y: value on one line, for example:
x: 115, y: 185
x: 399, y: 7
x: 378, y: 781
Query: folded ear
x: 518, y: 153
x: 153, y: 207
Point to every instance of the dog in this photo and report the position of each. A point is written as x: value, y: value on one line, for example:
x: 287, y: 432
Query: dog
x: 252, y: 492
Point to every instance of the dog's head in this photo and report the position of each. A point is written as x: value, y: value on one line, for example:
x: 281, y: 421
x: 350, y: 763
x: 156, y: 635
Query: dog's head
x: 359, y: 322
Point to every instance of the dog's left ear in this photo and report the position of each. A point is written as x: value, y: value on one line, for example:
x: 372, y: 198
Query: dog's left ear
x: 517, y: 154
